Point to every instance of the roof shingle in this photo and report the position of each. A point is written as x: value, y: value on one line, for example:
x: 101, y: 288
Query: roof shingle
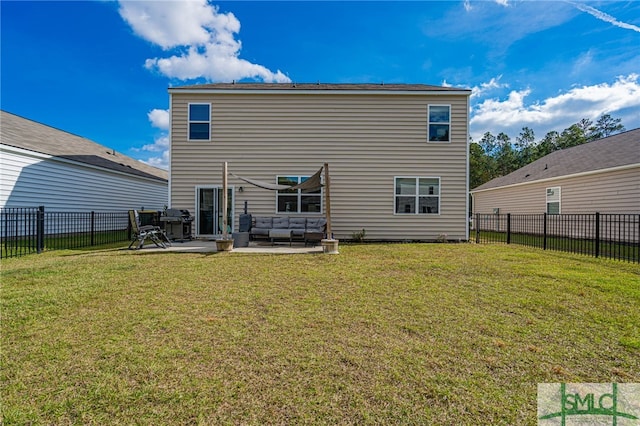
x: 23, y: 133
x: 322, y: 87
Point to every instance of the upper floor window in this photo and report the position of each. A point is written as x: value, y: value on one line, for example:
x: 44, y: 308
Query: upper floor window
x: 439, y: 124
x: 297, y: 200
x: 553, y: 200
x: 199, y: 122
x: 417, y: 195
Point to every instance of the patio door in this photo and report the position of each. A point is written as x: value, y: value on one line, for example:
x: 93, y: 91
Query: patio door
x: 209, y: 217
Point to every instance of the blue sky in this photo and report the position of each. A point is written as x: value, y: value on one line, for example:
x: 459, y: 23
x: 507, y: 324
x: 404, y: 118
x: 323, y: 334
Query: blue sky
x: 102, y: 69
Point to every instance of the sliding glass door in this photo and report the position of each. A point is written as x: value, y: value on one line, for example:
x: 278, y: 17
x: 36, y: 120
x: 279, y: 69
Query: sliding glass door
x: 210, y: 217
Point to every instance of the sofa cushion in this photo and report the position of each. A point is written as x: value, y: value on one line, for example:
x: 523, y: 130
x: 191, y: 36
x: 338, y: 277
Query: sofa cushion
x: 280, y: 223
x: 298, y: 226
x: 264, y: 223
x: 297, y: 223
x: 316, y: 224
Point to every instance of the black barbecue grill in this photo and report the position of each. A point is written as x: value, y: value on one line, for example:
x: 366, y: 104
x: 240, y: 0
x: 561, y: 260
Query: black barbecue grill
x: 177, y: 224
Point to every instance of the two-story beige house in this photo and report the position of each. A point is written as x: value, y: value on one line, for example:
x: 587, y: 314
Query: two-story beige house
x: 397, y: 155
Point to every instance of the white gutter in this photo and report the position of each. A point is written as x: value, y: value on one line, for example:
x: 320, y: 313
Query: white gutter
x: 591, y: 172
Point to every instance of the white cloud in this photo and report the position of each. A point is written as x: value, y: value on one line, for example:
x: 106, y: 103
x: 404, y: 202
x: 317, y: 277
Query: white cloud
x: 559, y: 112
x: 161, y: 162
x: 159, y: 151
x: 202, y: 37
x: 159, y: 118
x: 605, y: 17
x: 213, y: 65
x: 481, y: 90
x: 160, y: 144
x: 178, y: 23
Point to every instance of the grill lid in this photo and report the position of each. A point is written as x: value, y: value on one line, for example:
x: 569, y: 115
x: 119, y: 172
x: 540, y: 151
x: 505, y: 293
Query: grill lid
x: 177, y: 215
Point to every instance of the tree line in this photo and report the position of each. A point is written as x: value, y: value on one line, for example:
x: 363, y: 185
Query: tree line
x: 495, y: 156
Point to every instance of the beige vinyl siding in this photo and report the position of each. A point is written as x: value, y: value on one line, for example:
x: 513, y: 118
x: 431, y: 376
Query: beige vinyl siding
x: 616, y: 191
x: 367, y: 140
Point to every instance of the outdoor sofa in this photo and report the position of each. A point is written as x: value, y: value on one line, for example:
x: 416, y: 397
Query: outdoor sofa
x: 302, y: 228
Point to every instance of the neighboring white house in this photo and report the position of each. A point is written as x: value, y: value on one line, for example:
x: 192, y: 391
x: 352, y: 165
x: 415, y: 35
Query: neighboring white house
x: 397, y: 155
x: 600, y: 176
x: 44, y: 166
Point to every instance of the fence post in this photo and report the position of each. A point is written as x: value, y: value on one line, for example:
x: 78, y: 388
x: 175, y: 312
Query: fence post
x: 477, y: 226
x: 508, y: 228
x: 638, y: 251
x: 93, y: 226
x: 544, y: 239
x: 597, y: 234
x: 40, y: 230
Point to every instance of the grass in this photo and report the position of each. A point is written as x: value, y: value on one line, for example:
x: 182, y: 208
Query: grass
x: 380, y: 334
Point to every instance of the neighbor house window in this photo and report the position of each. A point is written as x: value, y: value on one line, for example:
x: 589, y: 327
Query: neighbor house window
x: 439, y: 123
x: 297, y: 200
x: 417, y: 195
x: 553, y: 200
x: 199, y: 122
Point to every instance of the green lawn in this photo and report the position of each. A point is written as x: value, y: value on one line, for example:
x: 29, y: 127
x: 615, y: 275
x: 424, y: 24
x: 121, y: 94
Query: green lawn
x: 381, y: 334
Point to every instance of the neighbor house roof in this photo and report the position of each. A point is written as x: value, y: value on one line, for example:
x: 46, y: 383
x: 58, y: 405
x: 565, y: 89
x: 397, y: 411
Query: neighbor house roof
x: 611, y: 152
x: 320, y: 87
x: 26, y: 134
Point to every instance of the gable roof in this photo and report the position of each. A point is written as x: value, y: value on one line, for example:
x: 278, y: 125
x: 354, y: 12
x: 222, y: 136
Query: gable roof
x: 26, y: 134
x: 622, y: 149
x: 320, y: 87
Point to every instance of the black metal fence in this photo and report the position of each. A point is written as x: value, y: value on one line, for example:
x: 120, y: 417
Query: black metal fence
x: 614, y: 236
x: 34, y: 230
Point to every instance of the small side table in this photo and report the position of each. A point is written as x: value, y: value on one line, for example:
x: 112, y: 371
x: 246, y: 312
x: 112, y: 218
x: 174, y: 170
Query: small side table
x: 313, y: 238
x: 240, y: 239
x: 280, y: 233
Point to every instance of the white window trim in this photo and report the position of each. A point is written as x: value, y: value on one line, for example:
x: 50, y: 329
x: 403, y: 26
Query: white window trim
x: 429, y: 122
x: 299, y: 195
x: 189, y: 122
x: 417, y: 195
x: 559, y: 189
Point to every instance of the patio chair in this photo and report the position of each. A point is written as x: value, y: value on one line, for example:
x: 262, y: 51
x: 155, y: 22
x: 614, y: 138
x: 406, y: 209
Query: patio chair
x: 142, y: 233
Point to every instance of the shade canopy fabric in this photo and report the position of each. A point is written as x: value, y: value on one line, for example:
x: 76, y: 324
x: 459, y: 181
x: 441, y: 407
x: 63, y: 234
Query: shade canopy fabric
x: 313, y: 183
